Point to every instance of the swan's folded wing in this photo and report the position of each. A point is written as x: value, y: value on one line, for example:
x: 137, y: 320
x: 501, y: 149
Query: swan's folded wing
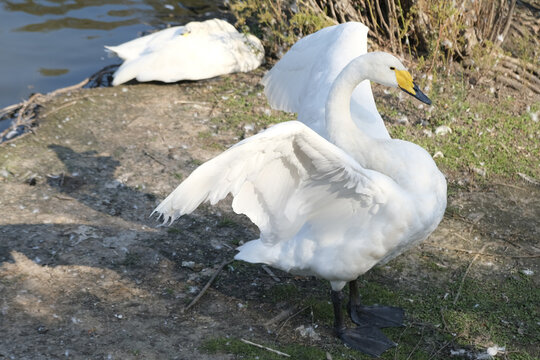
x: 136, y: 47
x: 280, y: 179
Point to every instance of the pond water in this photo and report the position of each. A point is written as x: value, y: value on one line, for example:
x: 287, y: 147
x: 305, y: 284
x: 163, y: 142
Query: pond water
x: 51, y: 44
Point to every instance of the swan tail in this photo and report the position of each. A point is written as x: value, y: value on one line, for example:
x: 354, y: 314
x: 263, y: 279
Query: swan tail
x: 111, y: 50
x: 256, y: 252
x: 129, y: 70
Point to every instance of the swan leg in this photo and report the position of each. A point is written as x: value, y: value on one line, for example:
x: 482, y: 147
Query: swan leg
x: 367, y: 339
x: 376, y: 316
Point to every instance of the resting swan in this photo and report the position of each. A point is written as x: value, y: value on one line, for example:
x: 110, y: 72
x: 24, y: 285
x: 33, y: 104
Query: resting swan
x: 332, y: 209
x: 198, y: 50
x: 302, y: 78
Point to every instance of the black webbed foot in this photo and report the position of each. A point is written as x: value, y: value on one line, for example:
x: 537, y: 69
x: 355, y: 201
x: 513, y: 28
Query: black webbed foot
x: 367, y: 339
x: 376, y: 316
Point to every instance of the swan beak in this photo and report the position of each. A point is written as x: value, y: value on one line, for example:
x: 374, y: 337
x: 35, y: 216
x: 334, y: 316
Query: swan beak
x: 405, y: 83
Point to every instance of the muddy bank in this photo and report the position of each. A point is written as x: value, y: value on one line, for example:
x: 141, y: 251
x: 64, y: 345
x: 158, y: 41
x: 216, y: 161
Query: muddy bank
x: 86, y: 274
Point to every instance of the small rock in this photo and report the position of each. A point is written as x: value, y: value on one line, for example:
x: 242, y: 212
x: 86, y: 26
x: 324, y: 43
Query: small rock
x: 458, y: 352
x: 423, y: 123
x: 114, y: 184
x: 476, y: 216
x: 403, y: 120
x: 11, y: 134
x: 438, y: 154
x: 534, y: 116
x: 42, y: 329
x: 31, y: 181
x: 249, y: 127
x: 447, y: 44
x: 443, y: 130
x: 188, y: 264
x: 494, y: 350
x: 308, y: 332
x: 216, y: 244
x: 480, y: 171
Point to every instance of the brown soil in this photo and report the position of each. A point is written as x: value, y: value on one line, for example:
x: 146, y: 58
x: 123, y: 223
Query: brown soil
x: 86, y: 274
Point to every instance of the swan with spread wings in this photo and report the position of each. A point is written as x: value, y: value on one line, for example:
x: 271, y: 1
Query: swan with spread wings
x: 332, y: 206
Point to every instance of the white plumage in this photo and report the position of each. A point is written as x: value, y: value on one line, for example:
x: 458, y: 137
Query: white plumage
x: 332, y: 195
x: 333, y: 211
x: 198, y: 50
x: 301, y: 80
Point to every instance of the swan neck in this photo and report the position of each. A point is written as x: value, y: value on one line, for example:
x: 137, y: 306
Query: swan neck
x: 338, y: 105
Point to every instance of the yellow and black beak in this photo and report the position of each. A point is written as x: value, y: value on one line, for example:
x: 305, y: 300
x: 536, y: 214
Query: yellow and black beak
x: 405, y: 83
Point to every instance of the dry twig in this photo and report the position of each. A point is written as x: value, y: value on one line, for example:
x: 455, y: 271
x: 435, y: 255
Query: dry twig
x: 271, y: 273
x: 281, y: 316
x: 26, y: 110
x: 265, y: 348
x: 509, y: 185
x: 440, y: 349
x: 528, y: 179
x: 467, y: 271
x: 154, y: 158
x: 417, y: 344
x: 289, y: 318
x: 214, y: 276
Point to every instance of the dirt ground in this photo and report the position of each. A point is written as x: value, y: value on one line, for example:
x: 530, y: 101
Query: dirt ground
x: 85, y: 273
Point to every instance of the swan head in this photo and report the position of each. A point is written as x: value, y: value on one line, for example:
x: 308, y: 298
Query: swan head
x: 387, y: 70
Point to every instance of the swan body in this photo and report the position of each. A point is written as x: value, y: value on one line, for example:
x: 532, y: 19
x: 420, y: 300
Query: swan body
x: 197, y: 50
x: 333, y: 210
x: 300, y: 81
x: 329, y: 208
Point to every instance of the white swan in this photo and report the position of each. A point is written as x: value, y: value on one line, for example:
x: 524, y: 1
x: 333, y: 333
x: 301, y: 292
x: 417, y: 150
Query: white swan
x: 198, y: 50
x: 330, y: 209
x: 302, y: 78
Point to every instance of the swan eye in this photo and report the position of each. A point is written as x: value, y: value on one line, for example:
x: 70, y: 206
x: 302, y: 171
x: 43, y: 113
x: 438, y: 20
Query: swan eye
x: 392, y: 68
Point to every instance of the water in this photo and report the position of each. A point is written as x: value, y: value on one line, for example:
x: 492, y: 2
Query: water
x: 46, y: 45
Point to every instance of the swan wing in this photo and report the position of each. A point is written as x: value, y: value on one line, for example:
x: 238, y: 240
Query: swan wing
x: 301, y: 80
x: 163, y: 38
x: 134, y: 48
x: 281, y: 178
